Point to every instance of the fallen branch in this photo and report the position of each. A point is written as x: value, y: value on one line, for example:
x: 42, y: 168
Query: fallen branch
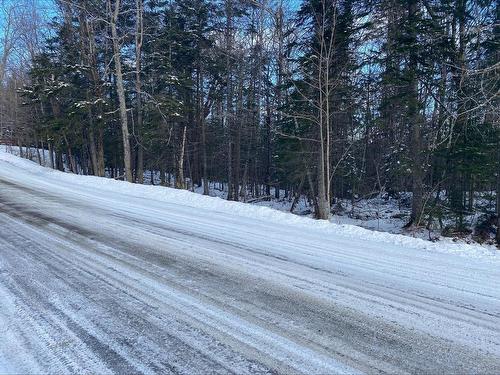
x: 260, y: 199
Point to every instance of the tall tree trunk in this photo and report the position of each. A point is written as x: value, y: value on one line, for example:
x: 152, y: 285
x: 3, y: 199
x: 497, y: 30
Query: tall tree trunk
x: 38, y: 156
x: 93, y: 150
x: 230, y: 171
x: 120, y: 90
x: 42, y: 146
x: 100, y: 153
x: 268, y: 154
x: 325, y: 41
x: 89, y: 57
x: 203, y: 137
x: 180, y: 181
x: 237, y: 141
x: 414, y: 118
x: 51, y: 155
x: 323, y: 206
x: 59, y: 161
x: 139, y: 31
x: 69, y: 155
x: 458, y: 125
x: 228, y: 113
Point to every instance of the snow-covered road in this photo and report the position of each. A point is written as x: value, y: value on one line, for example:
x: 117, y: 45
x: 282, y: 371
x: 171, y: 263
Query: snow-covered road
x: 98, y: 276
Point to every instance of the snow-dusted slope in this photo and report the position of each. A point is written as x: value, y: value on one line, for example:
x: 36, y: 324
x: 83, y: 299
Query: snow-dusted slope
x: 98, y: 275
x: 203, y: 203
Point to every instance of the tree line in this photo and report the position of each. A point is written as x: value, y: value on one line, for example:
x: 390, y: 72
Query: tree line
x: 323, y: 99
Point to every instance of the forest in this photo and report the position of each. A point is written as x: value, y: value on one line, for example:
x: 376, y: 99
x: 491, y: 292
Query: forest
x: 322, y: 100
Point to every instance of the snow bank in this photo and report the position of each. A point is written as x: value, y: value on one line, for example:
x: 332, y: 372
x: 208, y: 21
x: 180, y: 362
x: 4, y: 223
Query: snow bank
x: 269, y: 215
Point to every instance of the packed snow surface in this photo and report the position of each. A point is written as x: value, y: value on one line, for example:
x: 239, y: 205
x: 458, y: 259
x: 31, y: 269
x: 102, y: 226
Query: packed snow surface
x: 103, y: 276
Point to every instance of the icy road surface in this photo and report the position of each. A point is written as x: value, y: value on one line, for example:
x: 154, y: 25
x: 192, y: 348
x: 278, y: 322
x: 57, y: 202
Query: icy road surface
x: 97, y: 280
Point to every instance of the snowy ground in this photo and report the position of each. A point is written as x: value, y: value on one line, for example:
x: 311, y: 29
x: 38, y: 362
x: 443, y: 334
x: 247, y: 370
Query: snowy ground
x: 103, y: 276
x: 380, y: 213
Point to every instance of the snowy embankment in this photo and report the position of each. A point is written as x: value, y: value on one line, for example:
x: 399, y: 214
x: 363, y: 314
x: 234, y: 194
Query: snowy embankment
x: 269, y: 215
